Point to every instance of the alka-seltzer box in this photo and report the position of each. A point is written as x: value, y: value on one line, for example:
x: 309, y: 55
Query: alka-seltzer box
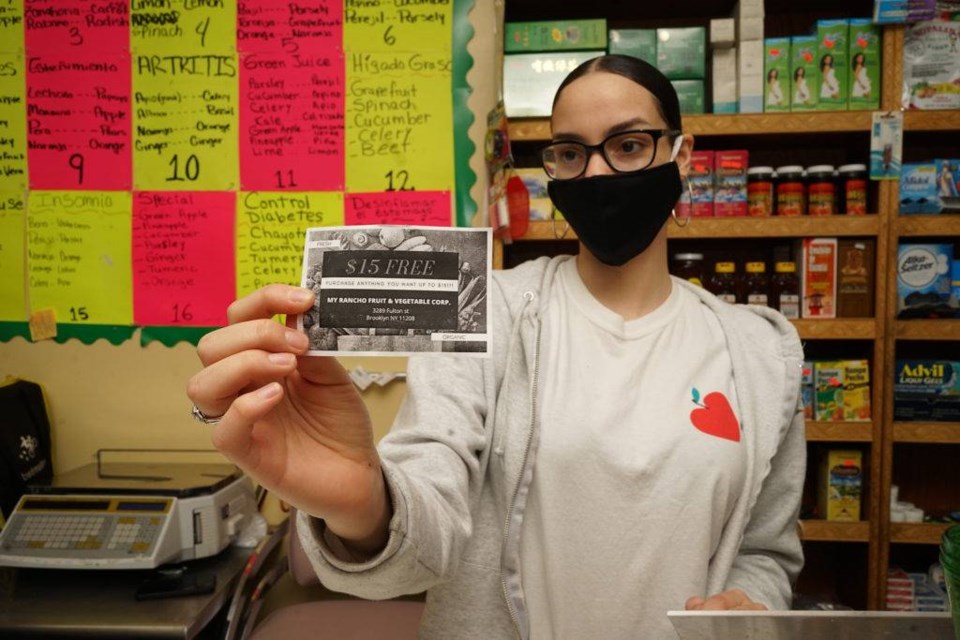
x: 701, y: 180
x: 555, y: 35
x: 776, y: 71
x: 841, y: 485
x: 818, y: 278
x: 864, y: 55
x: 730, y: 183
x: 639, y: 43
x: 829, y: 378
x: 531, y: 79
x: 931, y: 65
x: 682, y: 53
x: 832, y: 38
x: 856, y: 391
x: 923, y: 278
x: 926, y: 390
x: 807, y: 394
x: 804, y: 73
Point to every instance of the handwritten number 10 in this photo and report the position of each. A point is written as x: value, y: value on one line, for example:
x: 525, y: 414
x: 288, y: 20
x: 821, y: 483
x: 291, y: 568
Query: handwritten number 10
x: 191, y: 168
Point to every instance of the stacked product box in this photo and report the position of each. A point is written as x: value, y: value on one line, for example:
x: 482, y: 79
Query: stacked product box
x: 804, y: 73
x: 723, y: 57
x: 730, y: 183
x: 750, y: 79
x: 818, y: 278
x: 930, y: 187
x: 832, y: 54
x: 701, y: 186
x: 924, y: 280
x: 807, y: 391
x: 931, y: 65
x: 863, y: 52
x: 856, y: 274
x: 555, y: 35
x: 840, y: 485
x: 530, y: 80
x: 776, y: 71
x: 639, y: 43
x: 681, y: 57
x: 841, y: 391
x: 926, y: 390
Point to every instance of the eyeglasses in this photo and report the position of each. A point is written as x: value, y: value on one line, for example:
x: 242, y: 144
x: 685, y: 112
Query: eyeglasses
x: 625, y: 152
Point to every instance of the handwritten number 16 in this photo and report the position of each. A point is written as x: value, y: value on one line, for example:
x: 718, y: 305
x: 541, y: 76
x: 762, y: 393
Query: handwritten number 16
x: 182, y: 314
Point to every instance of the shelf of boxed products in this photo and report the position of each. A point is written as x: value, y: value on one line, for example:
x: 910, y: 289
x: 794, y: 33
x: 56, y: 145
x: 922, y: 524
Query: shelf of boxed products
x: 944, y: 329
x: 839, y: 431
x: 918, y: 532
x: 831, y: 531
x: 929, y: 225
x: 741, y: 227
x: 538, y: 129
x: 927, y: 432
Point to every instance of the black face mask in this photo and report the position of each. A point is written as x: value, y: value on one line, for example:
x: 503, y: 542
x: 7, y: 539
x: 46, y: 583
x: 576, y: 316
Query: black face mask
x: 618, y: 216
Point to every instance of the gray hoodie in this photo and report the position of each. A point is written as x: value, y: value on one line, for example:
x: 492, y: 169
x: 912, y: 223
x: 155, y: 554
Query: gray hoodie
x: 459, y: 461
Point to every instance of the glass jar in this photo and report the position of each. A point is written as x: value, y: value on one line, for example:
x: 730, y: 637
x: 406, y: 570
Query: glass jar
x: 785, y: 290
x: 760, y: 191
x: 689, y: 266
x: 724, y: 282
x: 821, y: 190
x: 791, y: 191
x: 756, y: 284
x: 852, y: 188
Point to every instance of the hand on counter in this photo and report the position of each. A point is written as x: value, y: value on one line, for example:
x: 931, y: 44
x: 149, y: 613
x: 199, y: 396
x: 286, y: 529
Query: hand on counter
x: 735, y: 599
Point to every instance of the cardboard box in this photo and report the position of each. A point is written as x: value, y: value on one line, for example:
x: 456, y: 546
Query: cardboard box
x: 829, y: 378
x: 682, y: 53
x: 730, y: 183
x: 639, y: 43
x: 701, y: 185
x: 930, y: 187
x: 723, y: 33
x: 864, y: 51
x: 807, y: 393
x: 724, y: 62
x: 530, y: 80
x: 776, y: 70
x: 691, y: 96
x: 841, y: 485
x: 832, y: 39
x: 856, y: 392
x: 923, y: 280
x: 804, y: 73
x: 748, y: 16
x: 855, y: 277
x: 555, y: 35
x: 750, y: 76
x: 818, y: 278
x: 926, y: 390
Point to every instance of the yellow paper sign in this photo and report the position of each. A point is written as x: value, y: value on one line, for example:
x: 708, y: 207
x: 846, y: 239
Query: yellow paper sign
x: 78, y: 255
x: 399, y: 122
x: 13, y: 304
x: 387, y: 25
x: 271, y: 228
x: 13, y: 121
x: 174, y: 25
x: 11, y: 25
x: 43, y: 325
x: 185, y: 117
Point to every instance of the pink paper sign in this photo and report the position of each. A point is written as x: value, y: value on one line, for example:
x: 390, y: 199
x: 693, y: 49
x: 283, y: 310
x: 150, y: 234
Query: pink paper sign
x: 78, y: 121
x: 291, y: 121
x: 426, y: 208
x: 76, y: 25
x: 292, y: 27
x: 183, y: 257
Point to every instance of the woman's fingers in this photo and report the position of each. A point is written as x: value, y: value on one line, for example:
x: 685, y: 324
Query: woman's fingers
x: 215, y: 387
x: 232, y: 435
x: 269, y: 301
x: 263, y: 334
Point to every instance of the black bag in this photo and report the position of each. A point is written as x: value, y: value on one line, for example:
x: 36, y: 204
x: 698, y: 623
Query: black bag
x: 24, y: 442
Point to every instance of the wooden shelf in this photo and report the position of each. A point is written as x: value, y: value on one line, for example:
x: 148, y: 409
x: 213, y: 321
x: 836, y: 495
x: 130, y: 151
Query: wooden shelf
x: 839, y: 329
x: 927, y: 432
x: 538, y: 129
x: 945, y: 329
x: 933, y: 225
x: 917, y: 532
x: 839, y: 431
x: 774, y: 227
x: 826, y: 531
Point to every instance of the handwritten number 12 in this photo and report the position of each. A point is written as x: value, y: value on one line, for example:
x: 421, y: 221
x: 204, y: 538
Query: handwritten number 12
x: 402, y: 176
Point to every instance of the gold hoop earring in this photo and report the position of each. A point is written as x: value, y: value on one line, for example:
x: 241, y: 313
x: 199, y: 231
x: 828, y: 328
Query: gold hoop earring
x: 553, y: 219
x: 686, y: 219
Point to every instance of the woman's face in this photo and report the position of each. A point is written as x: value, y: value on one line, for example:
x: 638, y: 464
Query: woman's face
x: 599, y: 104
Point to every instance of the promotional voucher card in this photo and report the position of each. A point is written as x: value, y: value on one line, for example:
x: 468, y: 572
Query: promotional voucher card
x: 395, y: 290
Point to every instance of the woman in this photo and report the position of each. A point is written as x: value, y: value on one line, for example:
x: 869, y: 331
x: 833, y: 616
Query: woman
x: 633, y: 445
x: 861, y: 85
x: 801, y: 92
x: 829, y: 85
x: 774, y: 92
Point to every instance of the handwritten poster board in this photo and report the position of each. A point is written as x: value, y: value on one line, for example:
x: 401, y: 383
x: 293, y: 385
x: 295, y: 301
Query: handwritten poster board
x: 162, y: 158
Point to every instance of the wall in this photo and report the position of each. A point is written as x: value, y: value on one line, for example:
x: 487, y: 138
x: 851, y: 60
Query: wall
x: 128, y: 396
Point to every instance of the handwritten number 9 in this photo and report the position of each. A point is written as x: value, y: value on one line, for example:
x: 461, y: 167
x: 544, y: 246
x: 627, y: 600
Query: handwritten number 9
x: 402, y: 176
x: 191, y: 168
x: 76, y: 39
x: 388, y: 37
x: 76, y: 163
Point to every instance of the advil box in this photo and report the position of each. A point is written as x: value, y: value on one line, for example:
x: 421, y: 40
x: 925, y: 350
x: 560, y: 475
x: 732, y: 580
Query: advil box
x: 926, y: 390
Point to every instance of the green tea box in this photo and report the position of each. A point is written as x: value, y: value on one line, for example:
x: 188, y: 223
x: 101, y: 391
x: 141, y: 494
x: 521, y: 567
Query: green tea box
x: 690, y: 94
x: 863, y: 53
x: 639, y: 43
x: 682, y: 53
x: 531, y: 79
x: 832, y: 38
x: 804, y: 73
x: 776, y: 73
x: 555, y: 35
